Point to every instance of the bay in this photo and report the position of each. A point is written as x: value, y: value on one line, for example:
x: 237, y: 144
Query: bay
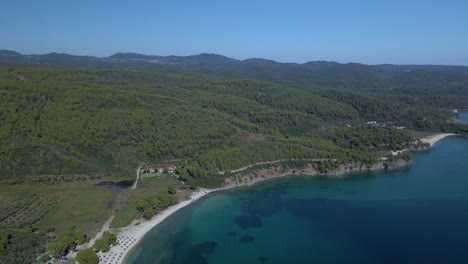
x: 413, y: 215
x: 463, y: 116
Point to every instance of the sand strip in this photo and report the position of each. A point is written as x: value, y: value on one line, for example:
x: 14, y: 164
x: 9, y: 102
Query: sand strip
x: 129, y: 236
x: 436, y: 138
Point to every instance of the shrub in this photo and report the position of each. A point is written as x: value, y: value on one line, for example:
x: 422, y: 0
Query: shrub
x: 87, y: 256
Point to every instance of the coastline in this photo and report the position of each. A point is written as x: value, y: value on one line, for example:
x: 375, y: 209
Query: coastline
x: 135, y: 232
x: 130, y: 235
x: 431, y: 140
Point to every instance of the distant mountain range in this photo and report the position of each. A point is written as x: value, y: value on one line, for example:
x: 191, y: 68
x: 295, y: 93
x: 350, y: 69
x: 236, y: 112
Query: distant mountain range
x: 385, y: 78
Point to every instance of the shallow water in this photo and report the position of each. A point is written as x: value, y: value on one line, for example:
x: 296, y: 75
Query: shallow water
x: 415, y: 215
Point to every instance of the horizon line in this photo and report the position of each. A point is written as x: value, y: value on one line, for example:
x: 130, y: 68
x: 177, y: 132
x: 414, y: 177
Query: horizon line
x: 237, y: 59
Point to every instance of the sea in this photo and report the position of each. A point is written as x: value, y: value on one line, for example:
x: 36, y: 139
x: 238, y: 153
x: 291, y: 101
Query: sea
x: 463, y: 116
x: 413, y: 215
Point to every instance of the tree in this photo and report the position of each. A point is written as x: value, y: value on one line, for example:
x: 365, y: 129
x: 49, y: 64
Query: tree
x: 87, y: 256
x: 103, y: 243
x: 156, y: 203
x: 182, y: 174
x: 60, y: 247
x: 171, y: 189
x: 67, y: 240
x: 79, y: 236
x: 148, y: 213
x: 4, y: 236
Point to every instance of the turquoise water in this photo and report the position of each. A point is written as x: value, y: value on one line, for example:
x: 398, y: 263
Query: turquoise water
x: 463, y: 116
x: 415, y: 215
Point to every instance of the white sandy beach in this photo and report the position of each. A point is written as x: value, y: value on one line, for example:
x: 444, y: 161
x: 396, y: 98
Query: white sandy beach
x: 435, y: 138
x: 129, y: 236
x: 431, y: 140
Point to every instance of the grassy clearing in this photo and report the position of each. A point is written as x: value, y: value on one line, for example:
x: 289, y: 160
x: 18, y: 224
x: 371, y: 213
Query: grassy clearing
x: 150, y: 175
x: 87, y: 208
x: 147, y: 187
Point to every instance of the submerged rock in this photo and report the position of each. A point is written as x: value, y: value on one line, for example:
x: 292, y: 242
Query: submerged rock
x: 247, y: 239
x: 207, y: 247
x: 247, y: 221
x: 197, y: 250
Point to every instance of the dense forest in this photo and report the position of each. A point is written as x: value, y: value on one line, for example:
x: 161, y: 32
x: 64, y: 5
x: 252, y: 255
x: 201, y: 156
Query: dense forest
x: 426, y: 80
x: 74, y: 122
x: 21, y: 246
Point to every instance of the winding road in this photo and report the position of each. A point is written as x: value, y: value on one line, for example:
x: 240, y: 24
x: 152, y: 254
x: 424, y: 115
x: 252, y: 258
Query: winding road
x: 276, y: 161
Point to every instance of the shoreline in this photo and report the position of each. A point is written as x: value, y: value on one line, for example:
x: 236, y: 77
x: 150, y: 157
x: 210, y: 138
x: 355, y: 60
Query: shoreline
x: 431, y: 140
x: 138, y: 228
x: 130, y: 235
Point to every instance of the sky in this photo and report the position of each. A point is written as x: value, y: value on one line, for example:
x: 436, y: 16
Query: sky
x: 366, y: 31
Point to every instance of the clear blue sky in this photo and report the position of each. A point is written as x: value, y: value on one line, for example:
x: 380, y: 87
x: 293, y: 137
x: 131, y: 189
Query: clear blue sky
x: 367, y: 31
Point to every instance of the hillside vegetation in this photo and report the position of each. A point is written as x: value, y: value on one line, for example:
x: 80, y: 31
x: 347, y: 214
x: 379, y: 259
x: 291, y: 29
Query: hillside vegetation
x: 104, y: 122
x: 426, y: 80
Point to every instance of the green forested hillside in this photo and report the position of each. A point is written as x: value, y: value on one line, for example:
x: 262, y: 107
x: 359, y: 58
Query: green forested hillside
x: 383, y: 79
x: 62, y: 121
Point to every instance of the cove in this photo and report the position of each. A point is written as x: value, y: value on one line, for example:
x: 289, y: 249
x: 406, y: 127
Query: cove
x: 463, y: 116
x: 415, y: 215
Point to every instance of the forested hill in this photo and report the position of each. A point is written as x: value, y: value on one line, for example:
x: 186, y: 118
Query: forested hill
x: 389, y: 79
x: 70, y: 121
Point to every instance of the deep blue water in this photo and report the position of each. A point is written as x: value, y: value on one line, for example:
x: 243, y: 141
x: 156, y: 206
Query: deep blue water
x: 463, y: 116
x: 415, y: 215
